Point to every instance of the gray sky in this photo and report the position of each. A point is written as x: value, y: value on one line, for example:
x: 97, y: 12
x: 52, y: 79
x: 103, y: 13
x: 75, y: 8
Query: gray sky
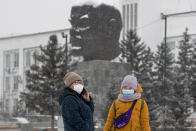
x: 31, y: 16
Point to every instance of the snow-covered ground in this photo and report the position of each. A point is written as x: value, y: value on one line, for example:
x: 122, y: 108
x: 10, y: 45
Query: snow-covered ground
x: 21, y: 120
x: 192, y: 118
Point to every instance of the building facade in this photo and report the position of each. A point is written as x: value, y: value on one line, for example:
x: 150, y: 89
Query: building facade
x: 145, y: 17
x: 16, y: 57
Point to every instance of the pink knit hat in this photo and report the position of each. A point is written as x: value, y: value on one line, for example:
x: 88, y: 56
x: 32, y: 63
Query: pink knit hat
x: 130, y: 81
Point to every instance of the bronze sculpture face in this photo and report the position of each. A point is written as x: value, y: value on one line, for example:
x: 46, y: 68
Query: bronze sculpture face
x: 96, y: 31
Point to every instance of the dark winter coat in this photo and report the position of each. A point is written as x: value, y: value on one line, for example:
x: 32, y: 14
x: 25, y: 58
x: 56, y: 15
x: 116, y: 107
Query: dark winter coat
x: 76, y: 112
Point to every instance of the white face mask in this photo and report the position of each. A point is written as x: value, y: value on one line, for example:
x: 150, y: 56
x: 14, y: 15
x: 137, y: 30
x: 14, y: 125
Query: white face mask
x: 78, y: 88
x: 128, y: 92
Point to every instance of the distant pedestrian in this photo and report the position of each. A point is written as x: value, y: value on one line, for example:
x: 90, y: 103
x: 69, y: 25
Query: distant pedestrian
x: 129, y: 112
x: 76, y: 104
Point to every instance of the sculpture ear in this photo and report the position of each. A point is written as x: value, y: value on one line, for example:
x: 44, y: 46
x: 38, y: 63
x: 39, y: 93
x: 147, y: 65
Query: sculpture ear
x: 112, y: 27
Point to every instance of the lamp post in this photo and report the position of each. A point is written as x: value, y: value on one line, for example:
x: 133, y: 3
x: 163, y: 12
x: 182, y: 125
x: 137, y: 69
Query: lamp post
x: 66, y: 49
x: 164, y: 68
x: 165, y: 18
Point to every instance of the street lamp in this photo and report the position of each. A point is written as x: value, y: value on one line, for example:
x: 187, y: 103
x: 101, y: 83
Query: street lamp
x: 164, y: 69
x: 164, y: 17
x: 66, y: 48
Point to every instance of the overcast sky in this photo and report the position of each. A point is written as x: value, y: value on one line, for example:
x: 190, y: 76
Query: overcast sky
x: 31, y: 16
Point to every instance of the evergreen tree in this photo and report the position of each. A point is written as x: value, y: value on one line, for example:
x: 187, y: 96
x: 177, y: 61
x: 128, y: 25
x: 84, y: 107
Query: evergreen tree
x: 146, y: 74
x: 112, y: 94
x: 164, y: 87
x: 141, y: 59
x: 193, y: 86
x: 132, y: 50
x: 184, y: 77
x: 45, y: 80
x: 146, y: 80
x: 138, y: 56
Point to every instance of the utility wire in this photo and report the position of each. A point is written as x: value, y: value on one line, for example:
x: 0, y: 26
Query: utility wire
x: 185, y: 15
x: 153, y: 22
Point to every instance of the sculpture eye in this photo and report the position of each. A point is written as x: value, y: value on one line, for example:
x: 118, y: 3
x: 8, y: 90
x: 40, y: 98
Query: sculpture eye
x: 112, y: 20
x: 84, y: 16
x: 84, y: 22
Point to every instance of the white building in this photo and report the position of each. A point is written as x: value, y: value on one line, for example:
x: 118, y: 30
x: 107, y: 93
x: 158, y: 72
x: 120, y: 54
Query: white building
x: 142, y: 15
x: 16, y: 56
x: 145, y: 17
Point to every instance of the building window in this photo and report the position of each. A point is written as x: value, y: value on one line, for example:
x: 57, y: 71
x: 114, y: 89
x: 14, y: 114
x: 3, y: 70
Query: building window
x: 130, y: 17
x: 135, y: 15
x: 15, y: 105
x: 171, y: 45
x: 15, y: 82
x: 7, y: 105
x: 7, y: 60
x: 11, y: 58
x: 36, y: 62
x: 7, y: 83
x: 128, y: 22
x: 194, y: 40
x: 123, y: 19
x: 16, y: 59
x: 28, y: 58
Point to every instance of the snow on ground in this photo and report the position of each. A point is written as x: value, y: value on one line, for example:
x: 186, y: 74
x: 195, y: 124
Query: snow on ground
x: 21, y: 120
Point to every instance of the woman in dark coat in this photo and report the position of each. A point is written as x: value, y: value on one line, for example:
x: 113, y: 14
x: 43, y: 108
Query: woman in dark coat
x: 76, y: 104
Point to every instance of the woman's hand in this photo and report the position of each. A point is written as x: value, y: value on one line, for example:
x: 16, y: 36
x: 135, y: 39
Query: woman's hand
x: 86, y: 96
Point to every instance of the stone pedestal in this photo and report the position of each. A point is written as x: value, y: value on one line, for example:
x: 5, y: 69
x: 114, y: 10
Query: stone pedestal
x: 99, y: 75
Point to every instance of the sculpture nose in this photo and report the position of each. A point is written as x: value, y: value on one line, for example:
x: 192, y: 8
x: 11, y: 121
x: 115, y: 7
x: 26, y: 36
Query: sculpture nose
x: 73, y: 32
x: 75, y: 38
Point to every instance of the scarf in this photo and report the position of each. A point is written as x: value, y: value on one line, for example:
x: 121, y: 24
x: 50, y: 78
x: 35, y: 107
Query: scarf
x: 127, y: 98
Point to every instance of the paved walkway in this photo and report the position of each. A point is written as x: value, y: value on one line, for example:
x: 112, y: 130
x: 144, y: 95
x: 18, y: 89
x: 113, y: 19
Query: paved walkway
x: 10, y: 130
